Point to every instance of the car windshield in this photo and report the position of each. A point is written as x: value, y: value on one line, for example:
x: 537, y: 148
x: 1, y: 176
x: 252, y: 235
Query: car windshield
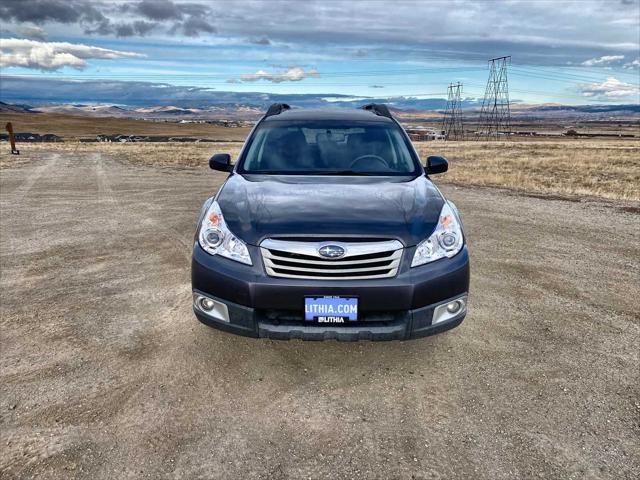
x: 329, y: 148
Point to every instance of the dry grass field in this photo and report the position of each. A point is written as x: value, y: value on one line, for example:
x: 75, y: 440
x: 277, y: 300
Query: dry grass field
x: 569, y: 168
x: 603, y: 168
x: 573, y: 168
x: 554, y: 126
x: 72, y: 127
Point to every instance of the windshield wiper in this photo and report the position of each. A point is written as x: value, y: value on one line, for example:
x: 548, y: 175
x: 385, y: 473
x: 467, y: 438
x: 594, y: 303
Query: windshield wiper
x: 314, y: 172
x: 348, y: 172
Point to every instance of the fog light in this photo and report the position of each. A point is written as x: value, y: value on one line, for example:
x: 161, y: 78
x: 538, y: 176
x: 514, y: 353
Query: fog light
x: 449, y: 310
x: 210, y: 307
x: 454, y: 307
x: 206, y: 304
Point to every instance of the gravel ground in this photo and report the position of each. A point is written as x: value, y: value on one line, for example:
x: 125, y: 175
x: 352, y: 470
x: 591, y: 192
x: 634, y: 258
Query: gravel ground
x: 105, y: 372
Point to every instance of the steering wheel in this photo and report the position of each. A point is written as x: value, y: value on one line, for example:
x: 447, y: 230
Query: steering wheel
x: 378, y: 159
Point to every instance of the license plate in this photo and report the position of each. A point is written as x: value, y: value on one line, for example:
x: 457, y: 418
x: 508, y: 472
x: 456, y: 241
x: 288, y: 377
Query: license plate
x: 331, y: 309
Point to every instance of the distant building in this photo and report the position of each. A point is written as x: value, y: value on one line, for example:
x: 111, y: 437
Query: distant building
x: 32, y: 137
x: 424, y: 134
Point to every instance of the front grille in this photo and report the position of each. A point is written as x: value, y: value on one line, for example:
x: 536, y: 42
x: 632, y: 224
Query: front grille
x: 301, y: 259
x: 296, y: 317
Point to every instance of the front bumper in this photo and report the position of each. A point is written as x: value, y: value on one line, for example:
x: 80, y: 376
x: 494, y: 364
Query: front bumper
x: 396, y: 308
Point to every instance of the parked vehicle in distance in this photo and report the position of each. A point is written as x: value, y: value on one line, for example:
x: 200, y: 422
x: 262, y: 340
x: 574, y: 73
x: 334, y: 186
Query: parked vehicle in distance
x: 328, y: 227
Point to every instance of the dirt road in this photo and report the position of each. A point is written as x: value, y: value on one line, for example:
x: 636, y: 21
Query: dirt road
x: 105, y: 372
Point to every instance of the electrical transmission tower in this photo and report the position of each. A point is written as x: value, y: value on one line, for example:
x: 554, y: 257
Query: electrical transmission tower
x: 452, y: 122
x: 495, y: 116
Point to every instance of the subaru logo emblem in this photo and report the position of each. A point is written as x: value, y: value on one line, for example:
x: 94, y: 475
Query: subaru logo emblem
x: 331, y: 251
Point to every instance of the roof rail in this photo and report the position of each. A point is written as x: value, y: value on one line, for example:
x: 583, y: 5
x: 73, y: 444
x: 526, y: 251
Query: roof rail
x: 378, y: 108
x: 276, y: 109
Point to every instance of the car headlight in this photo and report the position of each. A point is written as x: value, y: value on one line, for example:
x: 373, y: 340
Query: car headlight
x: 445, y: 241
x: 215, y: 238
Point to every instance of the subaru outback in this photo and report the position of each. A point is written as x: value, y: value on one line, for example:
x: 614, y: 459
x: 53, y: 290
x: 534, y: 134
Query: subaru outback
x: 329, y: 227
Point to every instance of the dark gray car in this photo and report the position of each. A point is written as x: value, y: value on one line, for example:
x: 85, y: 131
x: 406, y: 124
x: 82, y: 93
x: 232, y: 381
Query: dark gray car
x: 328, y: 227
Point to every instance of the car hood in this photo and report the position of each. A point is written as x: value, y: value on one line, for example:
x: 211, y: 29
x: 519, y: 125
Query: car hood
x: 256, y: 207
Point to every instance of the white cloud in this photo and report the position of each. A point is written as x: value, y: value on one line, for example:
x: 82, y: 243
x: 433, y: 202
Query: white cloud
x: 15, y: 52
x: 603, y: 61
x: 292, y: 74
x: 634, y: 64
x: 610, y: 89
x: 464, y: 30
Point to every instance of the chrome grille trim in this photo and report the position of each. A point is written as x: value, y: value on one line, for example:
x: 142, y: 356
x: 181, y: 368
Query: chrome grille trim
x: 282, y: 259
x: 267, y: 254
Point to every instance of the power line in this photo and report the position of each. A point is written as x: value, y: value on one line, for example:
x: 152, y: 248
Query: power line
x: 522, y: 72
x: 578, y: 73
x: 357, y: 73
x: 556, y: 77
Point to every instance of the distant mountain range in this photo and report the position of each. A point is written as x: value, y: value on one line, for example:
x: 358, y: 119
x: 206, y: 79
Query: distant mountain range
x: 149, y: 100
x: 133, y: 95
x: 169, y: 113
x: 404, y: 109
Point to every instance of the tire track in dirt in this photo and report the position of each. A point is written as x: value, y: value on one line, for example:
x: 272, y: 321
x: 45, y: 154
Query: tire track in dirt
x: 14, y: 200
x: 22, y: 190
x: 105, y: 192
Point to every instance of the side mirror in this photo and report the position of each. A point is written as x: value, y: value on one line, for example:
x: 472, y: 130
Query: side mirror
x: 221, y: 162
x: 436, y: 164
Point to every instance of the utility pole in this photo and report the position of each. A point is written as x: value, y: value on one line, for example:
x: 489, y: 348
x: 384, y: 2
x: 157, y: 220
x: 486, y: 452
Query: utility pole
x: 495, y: 116
x: 452, y: 122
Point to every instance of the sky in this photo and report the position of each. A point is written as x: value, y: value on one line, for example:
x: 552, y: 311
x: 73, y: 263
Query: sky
x: 570, y: 52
